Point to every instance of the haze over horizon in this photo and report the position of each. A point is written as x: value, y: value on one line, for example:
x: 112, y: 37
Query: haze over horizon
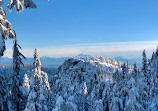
x: 111, y: 49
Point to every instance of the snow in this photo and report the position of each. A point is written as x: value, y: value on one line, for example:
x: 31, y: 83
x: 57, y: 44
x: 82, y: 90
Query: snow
x: 42, y: 97
x: 26, y: 82
x: 93, y: 84
x: 85, y: 88
x: 71, y: 98
x: 59, y: 100
x: 23, y: 90
x: 99, y: 106
x: 58, y: 103
x: 72, y: 88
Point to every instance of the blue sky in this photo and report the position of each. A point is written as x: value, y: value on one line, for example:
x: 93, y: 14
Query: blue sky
x: 59, y: 23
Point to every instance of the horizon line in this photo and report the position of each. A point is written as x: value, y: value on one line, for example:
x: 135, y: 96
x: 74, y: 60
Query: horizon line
x: 95, y: 49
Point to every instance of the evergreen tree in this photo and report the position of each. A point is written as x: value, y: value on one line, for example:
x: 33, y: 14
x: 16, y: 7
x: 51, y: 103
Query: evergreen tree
x: 41, y: 102
x: 5, y: 31
x: 26, y: 82
x: 5, y: 26
x: 135, y: 71
x: 157, y: 51
x: 47, y: 92
x: 2, y: 90
x: 107, y: 95
x: 114, y: 105
x: 38, y: 77
x: 5, y: 103
x: 60, y: 104
x: 98, y: 105
x: 144, y: 63
x: 37, y: 67
x: 116, y: 76
x: 124, y: 71
x: 102, y: 59
x: 146, y: 75
x: 32, y: 98
x: 36, y: 99
x: 133, y: 102
x: 18, y: 95
x: 70, y: 106
x: 153, y: 88
x: 122, y: 91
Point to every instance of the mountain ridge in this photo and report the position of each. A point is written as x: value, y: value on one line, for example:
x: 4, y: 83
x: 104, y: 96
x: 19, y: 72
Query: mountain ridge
x: 56, y: 62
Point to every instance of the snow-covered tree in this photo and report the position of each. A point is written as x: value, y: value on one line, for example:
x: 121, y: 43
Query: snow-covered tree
x: 99, y: 105
x: 102, y: 59
x: 146, y: 78
x: 124, y: 71
x: 120, y: 89
x: 47, y: 91
x: 115, y: 104
x: 133, y: 102
x: 70, y: 106
x: 19, y: 6
x: 5, y: 31
x: 107, y: 95
x: 5, y: 102
x: 37, y: 66
x: 26, y: 82
x: 60, y: 105
x: 32, y: 98
x: 153, y: 80
x: 135, y: 71
x: 2, y: 90
x: 41, y: 101
x: 18, y: 94
x: 36, y: 99
x: 144, y: 64
x: 38, y: 78
x: 78, y: 86
x: 116, y: 76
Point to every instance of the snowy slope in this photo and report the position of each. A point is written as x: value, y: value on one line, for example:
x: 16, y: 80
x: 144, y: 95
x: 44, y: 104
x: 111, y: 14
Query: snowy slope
x: 82, y: 77
x: 105, y: 68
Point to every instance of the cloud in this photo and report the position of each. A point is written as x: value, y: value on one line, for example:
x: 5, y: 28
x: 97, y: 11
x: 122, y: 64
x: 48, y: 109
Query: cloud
x: 112, y: 49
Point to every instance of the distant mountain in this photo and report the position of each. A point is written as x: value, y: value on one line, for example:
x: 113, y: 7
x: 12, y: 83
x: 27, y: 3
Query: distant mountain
x: 84, y: 56
x: 27, y: 68
x: 46, y: 61
x: 56, y: 62
x: 49, y: 65
x: 5, y: 60
x: 131, y: 61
